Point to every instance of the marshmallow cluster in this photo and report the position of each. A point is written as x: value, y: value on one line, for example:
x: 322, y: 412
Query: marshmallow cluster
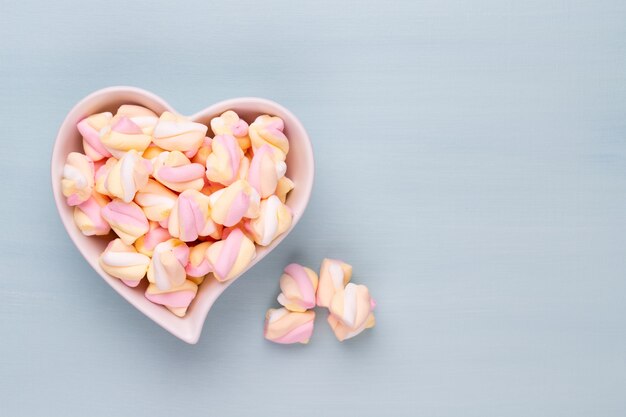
x: 184, y: 207
x: 350, y: 305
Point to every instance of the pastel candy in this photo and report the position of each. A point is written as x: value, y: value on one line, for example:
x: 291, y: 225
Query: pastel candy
x: 102, y: 173
x: 124, y: 135
x: 126, y: 219
x: 196, y: 280
x: 225, y: 161
x: 78, y: 178
x: 129, y: 175
x: 286, y: 327
x: 190, y: 217
x: 152, y: 152
x: 233, y: 203
x: 269, y: 130
x: 177, y: 133
x: 352, y: 305
x: 90, y: 128
x: 167, y: 266
x: 155, y: 235
x: 198, y: 265
x: 88, y: 216
x: 156, y: 200
x: 203, y: 153
x: 298, y: 285
x: 265, y: 171
x: 334, y: 275
x: 283, y: 187
x: 145, y: 118
x: 229, y: 257
x: 175, y: 171
x: 229, y: 123
x: 176, y: 299
x: 343, y: 332
x: 274, y: 219
x: 122, y: 261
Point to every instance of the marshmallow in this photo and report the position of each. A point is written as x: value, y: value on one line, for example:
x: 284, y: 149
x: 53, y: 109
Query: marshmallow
x: 274, y: 219
x: 177, y: 133
x: 190, y: 217
x: 78, y: 178
x: 352, y: 305
x: 298, y: 285
x: 156, y: 200
x: 203, y: 152
x: 129, y: 175
x: 167, y: 266
x: 176, y: 299
x: 155, y: 235
x: 102, y: 174
x: 124, y: 135
x: 282, y: 189
x: 343, y: 332
x: 231, y: 256
x: 176, y: 172
x: 229, y: 123
x: 88, y: 216
x: 224, y: 163
x: 122, y: 261
x: 269, y: 130
x: 152, y: 152
x: 196, y: 280
x: 198, y: 265
x: 334, y: 275
x: 126, y: 219
x: 265, y: 171
x: 231, y: 204
x: 145, y: 118
x: 286, y: 327
x: 90, y: 128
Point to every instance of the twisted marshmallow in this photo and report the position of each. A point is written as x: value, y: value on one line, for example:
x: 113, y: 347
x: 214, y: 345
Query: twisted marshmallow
x: 78, y: 178
x: 129, y: 175
x: 198, y: 265
x: 285, y: 327
x: 177, y: 133
x: 190, y: 217
x: 156, y: 200
x: 124, y: 135
x: 229, y: 205
x: 176, y: 299
x: 352, y: 305
x: 225, y: 161
x: 229, y: 123
x: 265, y: 171
x: 176, y: 172
x: 274, y: 219
x: 88, y: 216
x: 334, y: 275
x: 127, y: 220
x: 90, y: 128
x: 122, y: 261
x: 229, y: 257
x: 298, y: 285
x: 155, y: 235
x: 167, y: 266
x: 343, y: 332
x: 269, y: 130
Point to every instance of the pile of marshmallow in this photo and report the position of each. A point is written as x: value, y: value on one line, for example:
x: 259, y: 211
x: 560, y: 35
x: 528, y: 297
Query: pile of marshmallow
x: 350, y: 305
x: 183, y: 206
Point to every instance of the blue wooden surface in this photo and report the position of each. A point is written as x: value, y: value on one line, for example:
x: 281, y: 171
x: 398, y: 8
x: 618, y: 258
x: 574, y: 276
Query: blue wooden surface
x: 471, y: 165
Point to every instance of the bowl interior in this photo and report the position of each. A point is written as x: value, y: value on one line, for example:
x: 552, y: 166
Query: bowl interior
x: 299, y: 168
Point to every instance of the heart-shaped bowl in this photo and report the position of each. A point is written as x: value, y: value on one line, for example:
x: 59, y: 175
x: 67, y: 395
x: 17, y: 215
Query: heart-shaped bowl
x: 300, y: 168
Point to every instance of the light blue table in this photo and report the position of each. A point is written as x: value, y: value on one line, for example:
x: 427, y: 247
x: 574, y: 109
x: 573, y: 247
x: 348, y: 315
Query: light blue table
x: 471, y: 166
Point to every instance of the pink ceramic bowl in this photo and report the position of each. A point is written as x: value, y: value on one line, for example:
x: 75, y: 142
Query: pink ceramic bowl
x: 300, y: 170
